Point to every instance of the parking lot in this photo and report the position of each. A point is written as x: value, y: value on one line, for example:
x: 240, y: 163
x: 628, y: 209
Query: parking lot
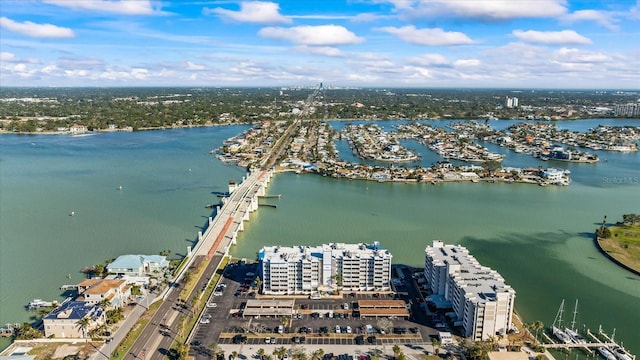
x: 329, y: 320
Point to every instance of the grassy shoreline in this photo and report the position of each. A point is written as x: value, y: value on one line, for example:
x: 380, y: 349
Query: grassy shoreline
x: 623, y: 246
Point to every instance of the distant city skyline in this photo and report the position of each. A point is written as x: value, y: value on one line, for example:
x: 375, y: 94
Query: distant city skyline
x: 344, y: 43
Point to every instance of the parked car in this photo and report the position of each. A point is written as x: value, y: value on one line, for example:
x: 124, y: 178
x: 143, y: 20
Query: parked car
x: 212, y: 305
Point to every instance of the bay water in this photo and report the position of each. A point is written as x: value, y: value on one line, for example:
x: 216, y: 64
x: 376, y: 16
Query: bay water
x: 538, y: 238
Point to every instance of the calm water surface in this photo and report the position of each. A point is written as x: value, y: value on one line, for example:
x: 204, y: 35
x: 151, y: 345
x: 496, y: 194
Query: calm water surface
x: 538, y: 238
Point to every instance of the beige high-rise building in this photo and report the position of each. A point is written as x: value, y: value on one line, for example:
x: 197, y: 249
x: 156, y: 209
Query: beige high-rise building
x: 482, y: 302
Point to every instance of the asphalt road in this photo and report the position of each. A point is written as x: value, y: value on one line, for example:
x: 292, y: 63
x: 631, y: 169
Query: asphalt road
x: 155, y: 340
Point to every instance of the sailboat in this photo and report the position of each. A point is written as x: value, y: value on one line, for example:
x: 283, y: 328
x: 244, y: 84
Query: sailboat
x: 572, y: 332
x: 557, y: 330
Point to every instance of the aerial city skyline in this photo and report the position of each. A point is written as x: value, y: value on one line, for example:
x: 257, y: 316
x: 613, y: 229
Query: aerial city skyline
x: 378, y: 43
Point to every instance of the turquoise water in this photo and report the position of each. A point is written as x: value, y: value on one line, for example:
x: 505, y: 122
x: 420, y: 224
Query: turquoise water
x: 538, y: 238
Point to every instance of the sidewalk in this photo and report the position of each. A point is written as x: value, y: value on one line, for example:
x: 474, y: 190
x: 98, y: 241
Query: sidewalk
x: 104, y: 351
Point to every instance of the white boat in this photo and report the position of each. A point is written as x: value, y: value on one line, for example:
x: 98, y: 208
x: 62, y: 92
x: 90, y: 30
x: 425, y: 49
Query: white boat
x: 38, y: 303
x: 606, y: 353
x: 556, y: 328
x: 575, y: 337
x: 572, y: 332
x: 620, y: 353
x: 561, y: 335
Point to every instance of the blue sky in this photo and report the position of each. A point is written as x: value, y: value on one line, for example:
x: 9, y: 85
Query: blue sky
x: 357, y: 43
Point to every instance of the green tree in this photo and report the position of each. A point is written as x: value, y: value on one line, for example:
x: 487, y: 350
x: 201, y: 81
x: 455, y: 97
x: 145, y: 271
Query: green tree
x: 491, y: 166
x: 83, y: 325
x: 396, y: 350
x: 317, y: 355
x: 261, y: 352
x: 27, y: 332
x: 234, y: 354
x: 280, y: 352
x: 182, y: 350
x: 436, y: 343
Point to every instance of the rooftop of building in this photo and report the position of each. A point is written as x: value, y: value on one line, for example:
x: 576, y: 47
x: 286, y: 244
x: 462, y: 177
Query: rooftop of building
x: 315, y: 253
x: 100, y: 286
x: 480, y: 282
x: 136, y: 261
x: 74, y: 310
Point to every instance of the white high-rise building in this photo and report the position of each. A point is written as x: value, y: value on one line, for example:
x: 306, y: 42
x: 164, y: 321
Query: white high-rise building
x: 306, y: 269
x: 481, y: 300
x: 511, y: 102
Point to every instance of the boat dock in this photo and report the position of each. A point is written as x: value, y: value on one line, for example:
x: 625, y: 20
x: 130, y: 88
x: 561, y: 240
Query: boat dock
x: 39, y: 303
x: 69, y: 287
x: 9, y: 330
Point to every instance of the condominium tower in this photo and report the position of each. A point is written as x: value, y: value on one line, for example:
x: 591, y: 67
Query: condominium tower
x: 307, y: 269
x: 482, y: 302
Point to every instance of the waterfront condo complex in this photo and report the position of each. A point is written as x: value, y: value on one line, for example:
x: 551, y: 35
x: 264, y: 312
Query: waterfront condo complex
x: 482, y: 302
x: 328, y: 267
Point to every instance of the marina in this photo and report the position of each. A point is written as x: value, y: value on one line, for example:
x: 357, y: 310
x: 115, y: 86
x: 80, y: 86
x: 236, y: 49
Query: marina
x: 570, y: 338
x: 508, y: 228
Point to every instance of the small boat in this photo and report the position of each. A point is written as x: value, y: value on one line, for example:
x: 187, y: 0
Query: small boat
x: 72, y: 213
x: 38, y: 303
x: 606, y: 353
x: 621, y: 354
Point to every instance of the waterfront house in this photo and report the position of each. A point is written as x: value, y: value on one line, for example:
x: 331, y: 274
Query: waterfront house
x: 94, y: 291
x: 138, y: 265
x: 64, y: 321
x: 78, y: 129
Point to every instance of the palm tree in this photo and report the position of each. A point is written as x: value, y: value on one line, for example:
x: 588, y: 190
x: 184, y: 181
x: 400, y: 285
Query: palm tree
x: 258, y: 283
x: 104, y: 304
x: 183, y: 351
x: 260, y: 353
x: 216, y: 351
x: 436, y: 345
x: 83, y: 325
x: 317, y: 355
x: 396, y: 350
x: 234, y: 354
x: 538, y: 325
x: 280, y: 352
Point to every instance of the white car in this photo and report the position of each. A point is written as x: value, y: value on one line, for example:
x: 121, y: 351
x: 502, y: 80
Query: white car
x: 217, y: 293
x: 338, y: 329
x: 204, y: 321
x: 267, y: 340
x: 348, y: 329
x: 212, y: 305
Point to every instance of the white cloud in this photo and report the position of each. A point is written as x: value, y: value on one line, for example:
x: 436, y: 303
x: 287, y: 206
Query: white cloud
x: 80, y: 63
x: 8, y: 57
x: 322, y: 35
x: 261, y: 12
x: 429, y: 60
x: 491, y: 10
x: 125, y: 7
x: 429, y: 37
x: 467, y: 62
x: 36, y: 30
x: 195, y: 67
x: 319, y: 50
x: 551, y: 37
x: 602, y: 18
x: 569, y: 55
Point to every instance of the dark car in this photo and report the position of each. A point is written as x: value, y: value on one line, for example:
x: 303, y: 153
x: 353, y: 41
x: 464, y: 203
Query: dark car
x: 359, y: 340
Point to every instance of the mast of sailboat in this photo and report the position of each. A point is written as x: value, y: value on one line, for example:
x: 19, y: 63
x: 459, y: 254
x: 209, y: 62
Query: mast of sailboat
x: 575, y: 311
x: 558, y: 318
